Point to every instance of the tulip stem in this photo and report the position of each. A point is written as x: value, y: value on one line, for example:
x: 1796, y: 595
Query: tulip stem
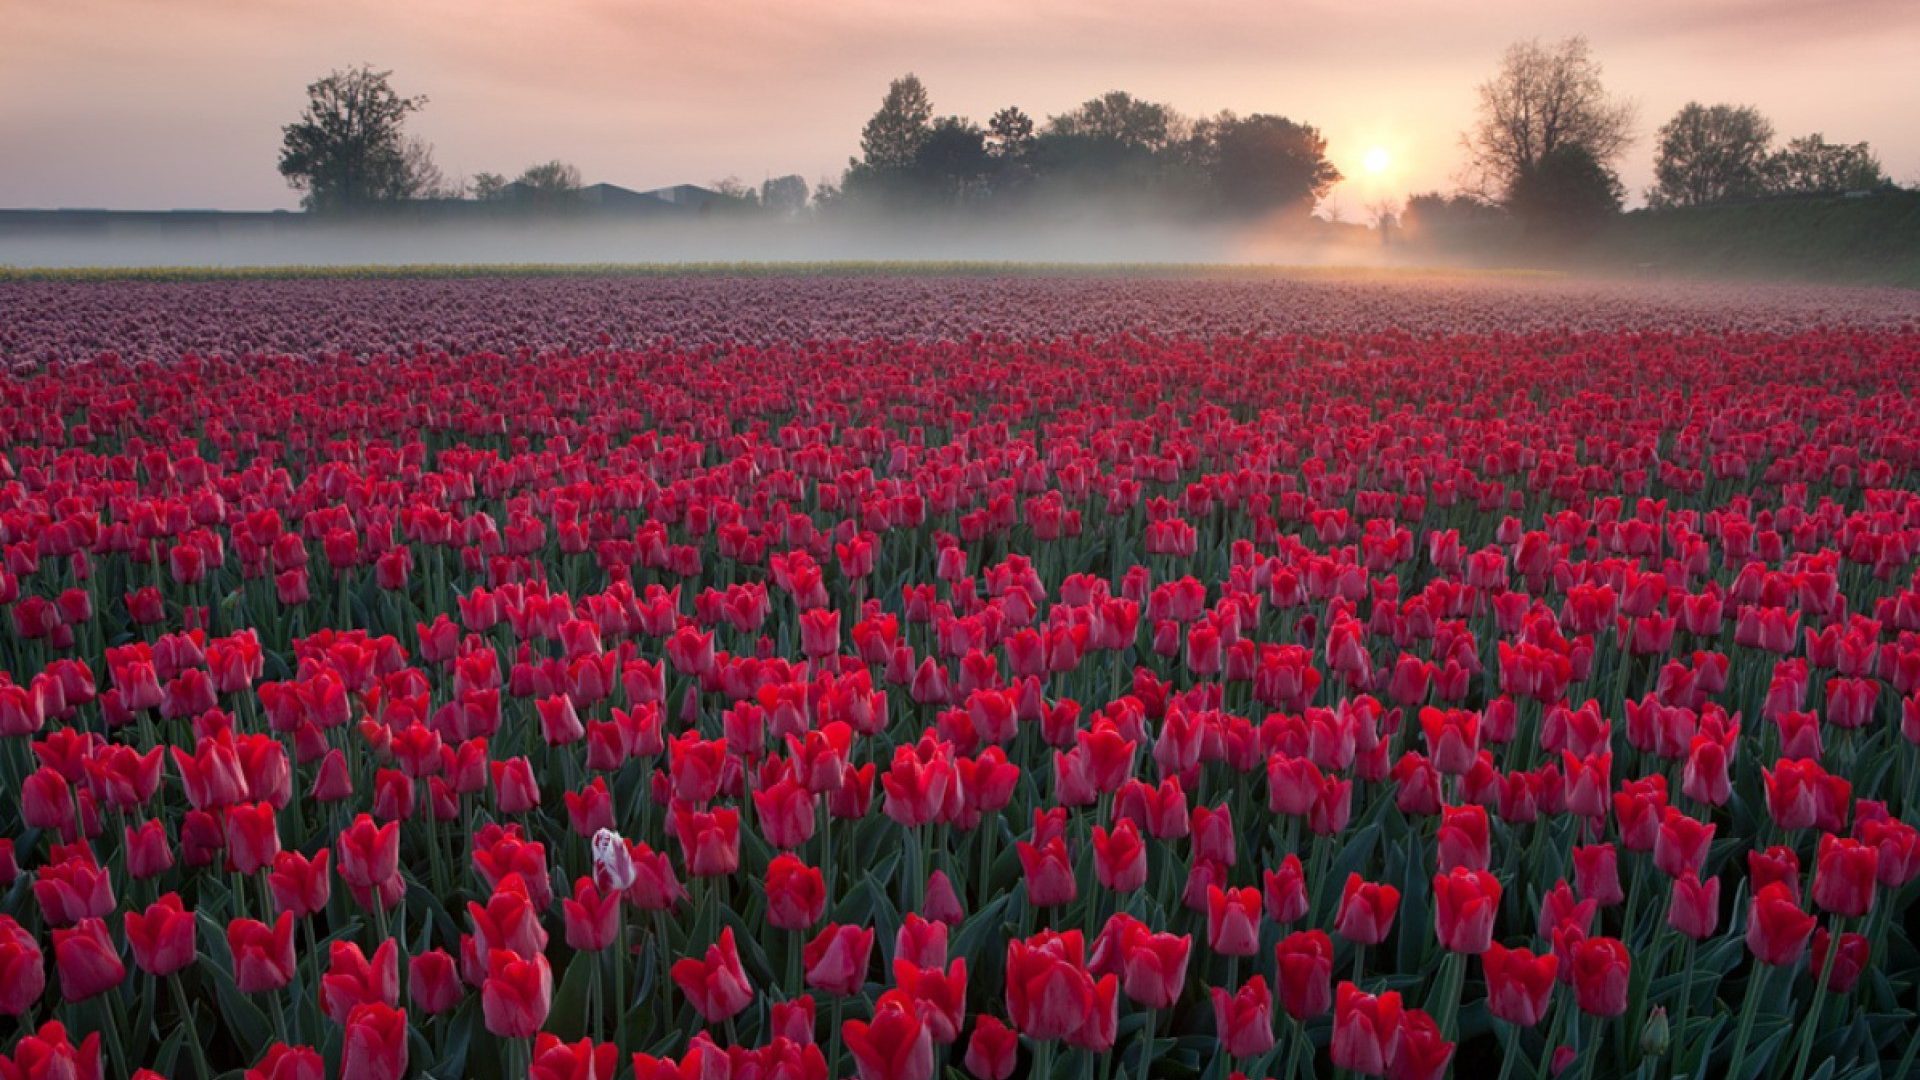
x: 1510, y: 1043
x: 1748, y: 1010
x: 1686, y: 1000
x: 1146, y: 1047
x: 1819, y: 996
x: 185, y: 1006
x: 1453, y: 972
x: 833, y: 1034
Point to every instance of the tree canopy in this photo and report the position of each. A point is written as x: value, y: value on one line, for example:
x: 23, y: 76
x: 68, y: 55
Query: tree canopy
x: 1543, y: 98
x: 1709, y: 153
x: 349, y: 147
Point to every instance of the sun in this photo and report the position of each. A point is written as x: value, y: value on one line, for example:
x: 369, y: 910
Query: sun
x: 1376, y: 160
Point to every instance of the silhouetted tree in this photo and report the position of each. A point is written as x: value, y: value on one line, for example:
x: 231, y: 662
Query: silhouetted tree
x: 549, y: 184
x: 1566, y: 194
x: 1262, y: 163
x: 1711, y: 153
x: 487, y: 186
x: 348, y: 148
x: 1810, y: 165
x: 784, y: 195
x: 893, y: 135
x: 421, y: 177
x: 952, y: 162
x: 1542, y: 99
x: 1122, y: 118
x: 1009, y: 133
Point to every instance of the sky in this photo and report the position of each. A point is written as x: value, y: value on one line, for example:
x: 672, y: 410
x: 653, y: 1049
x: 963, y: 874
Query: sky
x: 161, y: 104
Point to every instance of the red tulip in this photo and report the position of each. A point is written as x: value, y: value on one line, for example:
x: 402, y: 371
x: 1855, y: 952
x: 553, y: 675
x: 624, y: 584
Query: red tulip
x: 1596, y: 874
x: 1119, y: 857
x: 23, y: 970
x: 516, y: 993
x: 716, y: 984
x: 940, y: 995
x: 375, y: 1046
x: 1465, y: 903
x: 300, y: 886
x: 87, y: 960
x: 1844, y: 876
x: 796, y: 893
x: 509, y: 920
x: 353, y: 980
x: 1777, y: 930
x: 1464, y: 838
x: 1680, y: 847
x: 1233, y: 921
x: 1243, y: 1019
x: 836, y: 959
x: 592, y: 918
x: 1600, y: 967
x: 896, y: 1045
x: 1423, y: 1052
x: 1848, y: 964
x: 47, y: 1054
x: 1051, y: 994
x: 1048, y: 872
x: 433, y: 982
x: 940, y: 901
x: 583, y: 1060
x: 262, y: 955
x: 253, y: 838
x: 991, y: 1051
x: 1694, y: 908
x: 709, y: 841
x: 1154, y: 967
x: 369, y: 857
x: 162, y: 937
x: 921, y: 942
x: 515, y: 790
x: 1304, y: 961
x: 1366, y: 911
x: 1366, y: 1029
x: 283, y: 1062
x: 1286, y: 891
x: 1519, y: 984
x: 794, y: 1019
x: 784, y: 810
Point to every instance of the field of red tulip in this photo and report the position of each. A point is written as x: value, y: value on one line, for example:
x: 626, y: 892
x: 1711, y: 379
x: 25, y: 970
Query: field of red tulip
x: 789, y: 678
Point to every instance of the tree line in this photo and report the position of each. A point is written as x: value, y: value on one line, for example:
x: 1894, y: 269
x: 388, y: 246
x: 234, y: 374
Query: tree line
x: 1543, y: 150
x: 1548, y: 137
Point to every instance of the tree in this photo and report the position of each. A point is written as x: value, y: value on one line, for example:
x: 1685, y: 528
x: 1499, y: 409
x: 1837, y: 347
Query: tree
x: 1009, y: 133
x: 1119, y: 117
x: 952, y: 161
x: 1542, y: 99
x: 487, y: 186
x: 1810, y: 165
x: 784, y: 195
x: 1709, y: 154
x: 893, y: 135
x: 731, y: 188
x: 554, y: 177
x: 1567, y: 193
x: 1262, y: 163
x: 348, y: 149
x: 420, y: 174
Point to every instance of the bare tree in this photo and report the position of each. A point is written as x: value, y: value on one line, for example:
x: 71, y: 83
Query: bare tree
x: 1543, y: 98
x: 421, y: 176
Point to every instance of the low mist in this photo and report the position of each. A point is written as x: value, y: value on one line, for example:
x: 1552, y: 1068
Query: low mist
x: 168, y: 240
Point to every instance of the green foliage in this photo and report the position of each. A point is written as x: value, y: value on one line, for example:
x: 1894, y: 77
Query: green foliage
x: 1710, y: 154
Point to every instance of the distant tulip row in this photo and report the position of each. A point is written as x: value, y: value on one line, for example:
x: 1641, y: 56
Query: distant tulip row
x: 1128, y: 706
